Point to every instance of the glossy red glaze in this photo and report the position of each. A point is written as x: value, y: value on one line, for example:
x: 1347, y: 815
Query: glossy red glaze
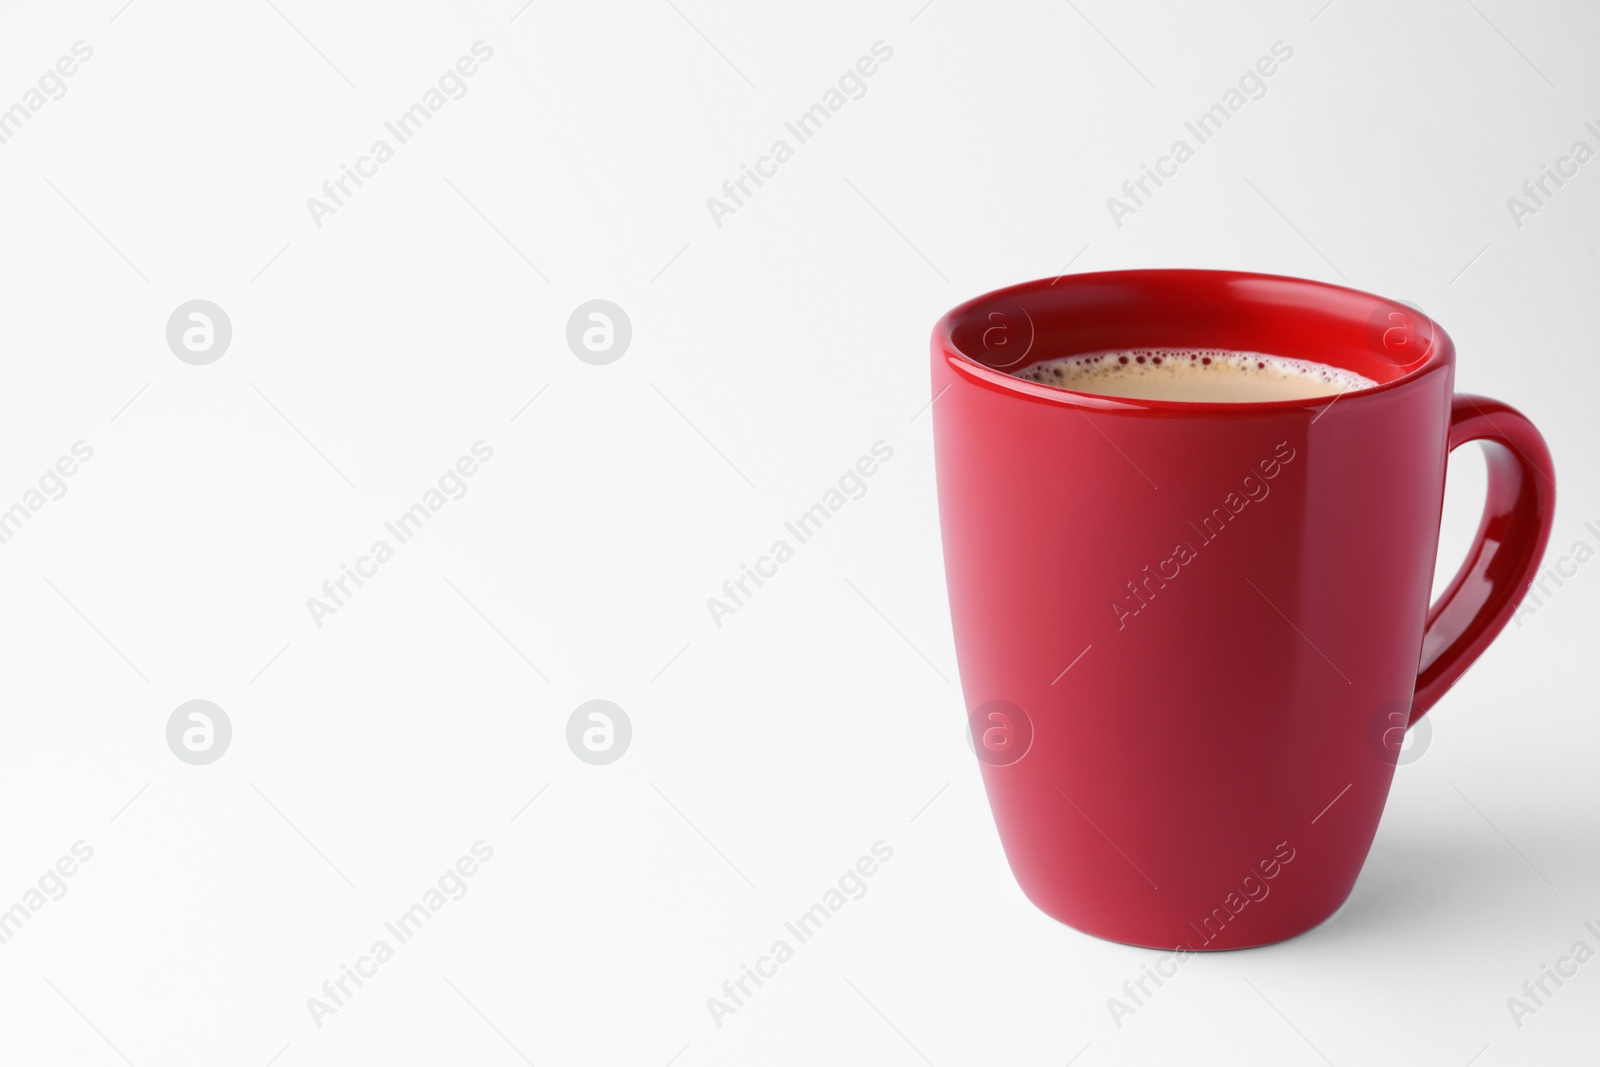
x: 1189, y: 634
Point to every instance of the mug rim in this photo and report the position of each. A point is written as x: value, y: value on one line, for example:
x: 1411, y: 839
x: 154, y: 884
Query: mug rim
x: 1442, y: 355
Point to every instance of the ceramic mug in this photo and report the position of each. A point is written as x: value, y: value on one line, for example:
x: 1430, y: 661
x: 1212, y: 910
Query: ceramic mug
x: 1191, y: 635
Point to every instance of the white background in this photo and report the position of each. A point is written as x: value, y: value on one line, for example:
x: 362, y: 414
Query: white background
x: 767, y: 355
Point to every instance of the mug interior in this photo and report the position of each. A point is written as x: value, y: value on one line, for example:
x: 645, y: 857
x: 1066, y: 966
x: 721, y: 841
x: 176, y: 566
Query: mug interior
x: 1384, y: 340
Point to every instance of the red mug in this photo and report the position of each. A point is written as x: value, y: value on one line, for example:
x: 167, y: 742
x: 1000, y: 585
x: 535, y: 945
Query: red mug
x: 1191, y: 635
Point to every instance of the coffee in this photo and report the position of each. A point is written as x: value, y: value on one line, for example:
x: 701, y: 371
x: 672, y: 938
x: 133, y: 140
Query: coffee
x: 1196, y: 375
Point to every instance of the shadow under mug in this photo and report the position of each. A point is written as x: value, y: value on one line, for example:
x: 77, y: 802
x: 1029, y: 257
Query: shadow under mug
x: 1191, y: 635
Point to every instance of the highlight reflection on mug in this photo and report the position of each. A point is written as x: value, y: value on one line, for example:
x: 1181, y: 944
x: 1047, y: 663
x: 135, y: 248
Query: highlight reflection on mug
x: 1000, y: 732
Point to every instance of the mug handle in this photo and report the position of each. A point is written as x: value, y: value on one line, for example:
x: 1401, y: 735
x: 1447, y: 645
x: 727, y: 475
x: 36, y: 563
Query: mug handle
x: 1500, y: 566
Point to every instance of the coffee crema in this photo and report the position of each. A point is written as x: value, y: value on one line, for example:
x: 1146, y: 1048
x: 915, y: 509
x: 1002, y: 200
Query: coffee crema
x: 1194, y: 375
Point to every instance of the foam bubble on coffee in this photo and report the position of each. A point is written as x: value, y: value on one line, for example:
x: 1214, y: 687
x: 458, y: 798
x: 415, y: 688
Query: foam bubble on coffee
x: 1197, y: 375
